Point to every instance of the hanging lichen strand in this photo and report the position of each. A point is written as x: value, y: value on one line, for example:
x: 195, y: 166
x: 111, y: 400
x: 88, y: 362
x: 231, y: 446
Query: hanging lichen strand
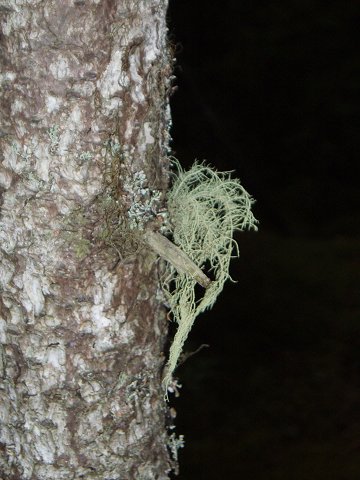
x: 205, y: 208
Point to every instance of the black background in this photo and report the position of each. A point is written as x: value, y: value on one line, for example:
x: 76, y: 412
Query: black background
x: 269, y: 89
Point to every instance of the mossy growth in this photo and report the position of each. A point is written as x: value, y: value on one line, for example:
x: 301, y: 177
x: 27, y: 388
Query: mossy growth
x: 115, y: 220
x: 102, y: 222
x: 74, y: 226
x: 205, y: 208
x: 114, y: 230
x: 81, y: 247
x: 127, y: 203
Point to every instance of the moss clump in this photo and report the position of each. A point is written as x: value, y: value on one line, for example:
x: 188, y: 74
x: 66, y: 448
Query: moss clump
x: 205, y: 208
x: 126, y: 204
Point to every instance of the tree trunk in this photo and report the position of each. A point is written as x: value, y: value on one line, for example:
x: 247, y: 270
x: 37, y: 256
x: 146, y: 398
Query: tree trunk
x: 84, y: 136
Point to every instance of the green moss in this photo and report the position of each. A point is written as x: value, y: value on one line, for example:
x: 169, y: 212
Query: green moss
x: 81, y: 247
x: 126, y: 203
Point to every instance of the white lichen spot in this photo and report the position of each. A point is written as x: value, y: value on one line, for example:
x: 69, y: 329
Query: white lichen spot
x: 17, y: 106
x: 84, y: 89
x: 12, y: 159
x: 137, y: 94
x: 147, y: 131
x: 17, y: 18
x: 97, y: 316
x: 8, y: 240
x: 7, y: 77
x: 151, y: 52
x: 2, y: 332
x: 94, y: 420
x: 120, y: 315
x: 135, y: 433
x: 109, y: 83
x: 56, y: 357
x: 52, y: 103
x: 17, y: 315
x: 79, y: 363
x: 75, y: 116
x: 60, y: 69
x: 43, y: 162
x: 7, y: 269
x: 43, y: 446
x: 134, y: 65
x: 71, y: 127
x: 104, y: 344
x: 90, y: 391
x: 106, y: 284
x: 32, y: 288
x: 127, y: 333
x: 53, y: 371
x: 51, y: 377
x: 128, y: 129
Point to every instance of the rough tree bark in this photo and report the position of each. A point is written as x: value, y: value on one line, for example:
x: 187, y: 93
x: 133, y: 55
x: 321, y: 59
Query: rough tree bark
x: 84, y: 125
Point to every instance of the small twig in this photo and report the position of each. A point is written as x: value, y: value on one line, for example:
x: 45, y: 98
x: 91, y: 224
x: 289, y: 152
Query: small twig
x: 184, y: 356
x: 174, y: 255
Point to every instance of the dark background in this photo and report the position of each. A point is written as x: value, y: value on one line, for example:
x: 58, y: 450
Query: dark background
x: 269, y: 89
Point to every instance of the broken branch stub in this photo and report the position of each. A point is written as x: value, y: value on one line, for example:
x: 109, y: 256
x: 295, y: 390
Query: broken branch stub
x: 174, y: 255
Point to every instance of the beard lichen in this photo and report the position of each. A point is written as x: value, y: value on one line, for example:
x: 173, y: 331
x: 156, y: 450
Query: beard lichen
x: 205, y: 208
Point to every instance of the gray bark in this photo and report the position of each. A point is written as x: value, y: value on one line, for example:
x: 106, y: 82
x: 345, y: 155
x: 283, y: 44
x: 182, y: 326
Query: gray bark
x: 84, y: 115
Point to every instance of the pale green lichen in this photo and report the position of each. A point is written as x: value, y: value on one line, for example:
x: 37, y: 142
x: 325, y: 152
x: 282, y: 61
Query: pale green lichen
x: 205, y: 207
x: 53, y: 133
x: 126, y: 204
x: 113, y: 147
x: 26, y: 152
x: 174, y: 444
x: 85, y: 156
x: 144, y: 202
